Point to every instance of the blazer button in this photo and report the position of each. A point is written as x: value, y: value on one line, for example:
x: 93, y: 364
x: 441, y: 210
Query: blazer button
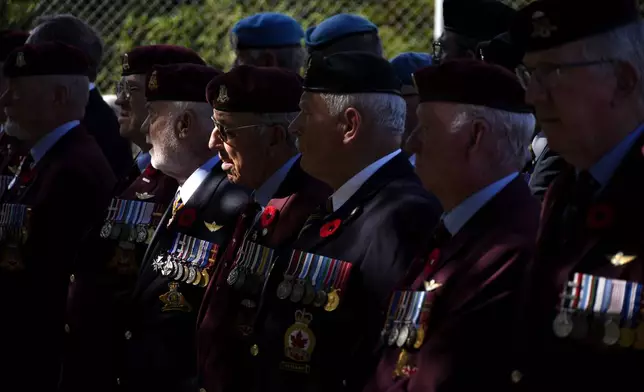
x: 128, y: 335
x: 72, y: 278
x: 254, y: 350
x: 516, y: 376
x: 67, y: 329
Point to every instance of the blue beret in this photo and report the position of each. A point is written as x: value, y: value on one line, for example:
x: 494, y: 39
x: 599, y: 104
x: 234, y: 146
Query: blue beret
x: 266, y: 30
x: 407, y: 63
x: 336, y: 27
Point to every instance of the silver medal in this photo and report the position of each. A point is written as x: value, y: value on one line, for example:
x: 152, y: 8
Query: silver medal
x: 393, y: 336
x: 562, y: 325
x: 106, y: 229
x: 403, y: 334
x: 611, y: 333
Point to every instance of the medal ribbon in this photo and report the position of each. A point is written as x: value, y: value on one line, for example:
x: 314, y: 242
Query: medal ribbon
x: 393, y: 307
x: 267, y: 261
x: 111, y: 211
x: 292, y: 264
x: 618, y: 298
x: 344, y: 280
x: 196, y: 244
x: 600, y: 296
x: 306, y: 266
x: 319, y: 262
x: 175, y: 245
x: 402, y: 309
x: 329, y: 276
x: 418, y: 306
x: 212, y: 255
x: 253, y: 258
x: 200, y: 253
x: 121, y: 211
x: 411, y: 307
x: 634, y: 303
x: 319, y: 280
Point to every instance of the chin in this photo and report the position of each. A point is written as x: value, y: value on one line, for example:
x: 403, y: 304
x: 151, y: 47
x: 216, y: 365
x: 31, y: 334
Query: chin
x: 11, y: 128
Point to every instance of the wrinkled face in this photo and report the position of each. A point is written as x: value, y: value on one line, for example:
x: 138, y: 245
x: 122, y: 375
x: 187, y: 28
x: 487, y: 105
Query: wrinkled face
x: 411, y: 119
x: 318, y: 137
x: 242, y: 147
x: 160, y: 128
x: 29, y: 105
x: 130, y: 98
x: 441, y: 150
x: 572, y: 98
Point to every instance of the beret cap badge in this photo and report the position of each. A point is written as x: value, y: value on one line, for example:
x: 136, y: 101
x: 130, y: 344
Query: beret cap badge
x: 541, y: 26
x: 223, y: 94
x: 20, y: 60
x: 152, y: 83
x: 126, y: 62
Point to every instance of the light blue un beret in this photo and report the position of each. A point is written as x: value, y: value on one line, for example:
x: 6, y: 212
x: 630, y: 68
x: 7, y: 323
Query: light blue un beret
x: 266, y: 30
x: 336, y: 27
x: 406, y: 64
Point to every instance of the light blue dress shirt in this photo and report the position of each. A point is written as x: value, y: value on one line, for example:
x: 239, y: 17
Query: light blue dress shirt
x: 455, y: 219
x: 143, y: 159
x: 265, y: 193
x: 196, y: 179
x: 47, y: 142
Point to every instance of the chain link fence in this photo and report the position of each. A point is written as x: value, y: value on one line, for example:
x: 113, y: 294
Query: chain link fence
x: 204, y: 25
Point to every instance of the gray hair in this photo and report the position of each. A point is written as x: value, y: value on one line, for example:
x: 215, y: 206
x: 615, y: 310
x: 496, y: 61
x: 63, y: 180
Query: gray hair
x: 384, y: 110
x: 72, y: 31
x: 77, y: 90
x: 624, y: 43
x: 282, y: 119
x: 203, y: 110
x: 288, y: 58
x: 513, y: 130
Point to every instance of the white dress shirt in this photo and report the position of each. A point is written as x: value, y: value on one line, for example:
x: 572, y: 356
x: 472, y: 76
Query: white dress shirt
x: 47, y: 142
x: 350, y: 187
x: 196, y: 179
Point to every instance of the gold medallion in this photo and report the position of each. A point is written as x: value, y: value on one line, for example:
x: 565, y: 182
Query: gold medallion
x: 333, y: 301
x: 420, y: 337
x: 197, y: 281
x: 403, y: 359
x: 173, y: 300
x: 299, y: 340
x: 626, y: 337
x: 206, y: 278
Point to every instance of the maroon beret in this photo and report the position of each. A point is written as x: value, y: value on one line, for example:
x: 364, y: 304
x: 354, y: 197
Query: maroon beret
x: 47, y: 58
x: 546, y: 24
x: 179, y: 82
x: 256, y: 90
x: 471, y: 82
x: 141, y: 59
x: 10, y: 40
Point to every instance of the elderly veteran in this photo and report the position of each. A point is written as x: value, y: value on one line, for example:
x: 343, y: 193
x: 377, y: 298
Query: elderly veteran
x: 99, y: 119
x: 342, y: 33
x: 58, y: 193
x: 268, y: 39
x: 405, y: 64
x: 130, y: 98
x: 456, y: 304
x: 468, y: 23
x: 11, y: 150
x: 96, y: 307
x: 315, y: 329
x: 581, y: 326
x: 160, y: 338
x: 257, y: 151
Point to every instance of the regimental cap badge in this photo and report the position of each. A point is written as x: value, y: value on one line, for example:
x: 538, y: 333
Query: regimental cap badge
x: 308, y: 65
x: 541, y: 26
x: 126, y: 62
x: 223, y: 94
x: 20, y: 60
x: 619, y: 259
x: 153, y: 84
x: 432, y: 285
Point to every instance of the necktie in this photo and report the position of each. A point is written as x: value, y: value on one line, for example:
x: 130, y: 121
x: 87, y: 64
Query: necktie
x: 318, y: 215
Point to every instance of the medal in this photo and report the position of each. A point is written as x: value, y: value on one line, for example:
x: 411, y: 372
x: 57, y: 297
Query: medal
x: 192, y: 274
x: 391, y: 313
x: 285, y: 288
x: 630, y: 313
x: 205, y: 280
x: 393, y: 335
x: 403, y: 334
x: 320, y: 298
x: 309, y: 293
x: 106, y: 229
x: 333, y: 301
x: 297, y: 294
x: 562, y: 325
x: 414, y: 322
x: 611, y: 333
x: 334, y: 297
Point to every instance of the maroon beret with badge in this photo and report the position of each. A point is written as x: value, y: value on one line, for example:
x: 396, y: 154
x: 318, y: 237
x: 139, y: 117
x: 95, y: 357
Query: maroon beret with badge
x: 471, y: 82
x: 256, y: 90
x: 179, y: 82
x: 47, y: 58
x: 10, y: 40
x: 141, y: 59
x: 546, y: 24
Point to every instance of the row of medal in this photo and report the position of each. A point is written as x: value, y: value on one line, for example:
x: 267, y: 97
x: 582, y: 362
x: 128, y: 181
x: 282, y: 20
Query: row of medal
x: 188, y: 260
x: 4, y: 184
x: 602, y: 308
x: 131, y: 220
x: 251, y: 267
x: 315, y: 279
x: 406, y: 319
x: 14, y: 222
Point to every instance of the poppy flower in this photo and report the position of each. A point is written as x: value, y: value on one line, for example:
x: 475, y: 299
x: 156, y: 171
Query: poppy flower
x: 600, y: 216
x: 187, y: 217
x: 268, y: 216
x: 149, y: 171
x: 329, y: 228
x: 26, y: 176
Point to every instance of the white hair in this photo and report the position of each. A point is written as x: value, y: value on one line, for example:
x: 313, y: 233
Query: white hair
x: 383, y: 110
x: 513, y: 130
x: 203, y: 112
x: 624, y: 43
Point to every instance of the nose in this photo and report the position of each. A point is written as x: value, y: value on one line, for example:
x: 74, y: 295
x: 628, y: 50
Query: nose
x: 120, y: 100
x: 216, y: 142
x: 145, y: 127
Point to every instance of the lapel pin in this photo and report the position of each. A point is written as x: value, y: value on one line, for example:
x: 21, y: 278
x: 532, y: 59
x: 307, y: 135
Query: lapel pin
x: 620, y: 258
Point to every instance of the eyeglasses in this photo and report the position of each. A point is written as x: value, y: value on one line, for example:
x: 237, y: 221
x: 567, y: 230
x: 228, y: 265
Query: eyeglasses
x: 548, y: 75
x: 123, y: 88
x: 225, y: 132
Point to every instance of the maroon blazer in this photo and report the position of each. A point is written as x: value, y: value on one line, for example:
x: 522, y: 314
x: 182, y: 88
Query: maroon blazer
x: 298, y: 196
x: 612, y: 224
x: 11, y: 153
x: 98, y: 296
x: 68, y: 189
x: 476, y: 275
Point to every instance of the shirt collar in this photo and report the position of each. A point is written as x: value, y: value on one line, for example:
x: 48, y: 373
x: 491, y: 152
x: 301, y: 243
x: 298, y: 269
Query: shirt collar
x: 143, y: 160
x: 92, y: 86
x: 603, y: 170
x: 196, y: 179
x: 47, y: 142
x: 350, y: 187
x: 455, y: 219
x: 265, y: 193
x: 412, y: 160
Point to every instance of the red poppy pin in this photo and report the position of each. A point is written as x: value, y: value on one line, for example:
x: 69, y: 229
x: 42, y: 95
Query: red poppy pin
x: 600, y: 216
x: 149, y: 171
x: 26, y: 175
x: 329, y: 228
x: 268, y: 216
x: 187, y: 217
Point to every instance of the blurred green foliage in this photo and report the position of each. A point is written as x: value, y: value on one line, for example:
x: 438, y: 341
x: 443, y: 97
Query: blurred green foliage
x: 17, y: 14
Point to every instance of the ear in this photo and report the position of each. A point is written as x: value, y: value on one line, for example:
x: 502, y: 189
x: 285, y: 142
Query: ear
x: 183, y: 123
x: 267, y: 59
x: 276, y: 135
x: 61, y: 94
x: 353, y: 121
x: 478, y: 129
x: 627, y: 78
